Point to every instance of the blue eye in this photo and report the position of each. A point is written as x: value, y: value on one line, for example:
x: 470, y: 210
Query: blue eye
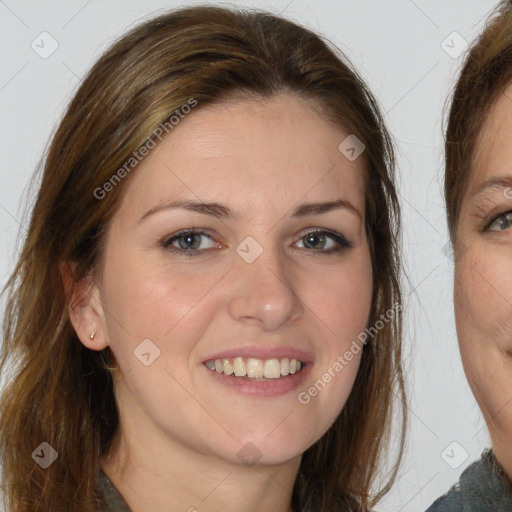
x: 189, y: 242
x: 501, y: 223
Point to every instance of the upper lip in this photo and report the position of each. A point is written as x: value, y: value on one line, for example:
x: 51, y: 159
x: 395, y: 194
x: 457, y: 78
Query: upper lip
x: 259, y: 352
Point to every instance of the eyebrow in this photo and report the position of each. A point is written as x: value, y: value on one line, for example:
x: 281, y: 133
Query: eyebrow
x: 221, y: 211
x: 498, y: 183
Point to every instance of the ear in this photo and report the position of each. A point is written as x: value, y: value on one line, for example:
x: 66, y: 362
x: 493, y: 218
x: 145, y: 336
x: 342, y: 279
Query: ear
x: 85, y: 307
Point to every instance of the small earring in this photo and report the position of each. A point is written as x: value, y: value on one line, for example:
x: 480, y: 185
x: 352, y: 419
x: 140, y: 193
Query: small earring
x: 92, y: 335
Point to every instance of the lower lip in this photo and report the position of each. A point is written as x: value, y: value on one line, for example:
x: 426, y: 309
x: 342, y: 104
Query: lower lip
x: 274, y: 387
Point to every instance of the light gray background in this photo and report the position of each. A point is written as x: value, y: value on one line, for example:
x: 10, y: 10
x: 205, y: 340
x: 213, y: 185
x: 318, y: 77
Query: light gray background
x: 398, y: 48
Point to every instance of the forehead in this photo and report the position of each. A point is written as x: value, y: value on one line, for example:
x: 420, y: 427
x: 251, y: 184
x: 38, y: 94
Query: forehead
x: 493, y: 148
x: 248, y: 148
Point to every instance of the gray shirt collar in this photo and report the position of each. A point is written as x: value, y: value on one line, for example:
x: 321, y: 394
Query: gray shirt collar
x: 109, y: 498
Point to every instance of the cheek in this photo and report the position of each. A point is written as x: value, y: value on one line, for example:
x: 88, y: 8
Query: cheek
x: 339, y: 305
x: 346, y: 298
x: 483, y: 298
x: 483, y: 314
x: 150, y: 298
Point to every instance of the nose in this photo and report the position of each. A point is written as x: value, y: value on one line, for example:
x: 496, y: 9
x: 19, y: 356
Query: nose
x: 264, y: 292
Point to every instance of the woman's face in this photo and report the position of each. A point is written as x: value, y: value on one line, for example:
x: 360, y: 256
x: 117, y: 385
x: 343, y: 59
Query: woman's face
x: 252, y: 282
x: 483, y: 276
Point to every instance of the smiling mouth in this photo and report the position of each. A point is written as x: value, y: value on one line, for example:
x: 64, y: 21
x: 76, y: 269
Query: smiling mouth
x: 256, y: 369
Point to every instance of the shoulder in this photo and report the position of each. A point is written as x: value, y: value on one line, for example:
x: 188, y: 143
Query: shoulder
x: 449, y: 502
x: 107, y: 496
x: 482, y: 487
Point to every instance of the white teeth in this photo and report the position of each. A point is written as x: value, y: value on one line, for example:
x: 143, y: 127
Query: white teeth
x: 239, y: 367
x: 272, y: 369
x: 257, y: 369
x: 254, y: 368
x: 228, y: 368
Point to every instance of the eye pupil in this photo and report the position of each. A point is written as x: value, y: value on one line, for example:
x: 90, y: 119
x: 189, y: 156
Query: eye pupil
x: 189, y: 241
x: 315, y: 237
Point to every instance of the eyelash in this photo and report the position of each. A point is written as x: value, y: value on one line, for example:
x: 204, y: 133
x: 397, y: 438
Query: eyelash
x: 343, y: 243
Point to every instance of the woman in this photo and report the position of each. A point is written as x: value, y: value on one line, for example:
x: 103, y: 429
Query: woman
x: 478, y: 191
x: 206, y: 311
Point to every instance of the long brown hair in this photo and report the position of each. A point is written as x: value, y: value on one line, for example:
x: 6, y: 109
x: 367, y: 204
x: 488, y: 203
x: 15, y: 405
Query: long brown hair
x: 486, y: 71
x: 60, y: 392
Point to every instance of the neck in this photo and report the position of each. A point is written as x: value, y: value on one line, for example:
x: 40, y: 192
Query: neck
x: 503, y: 453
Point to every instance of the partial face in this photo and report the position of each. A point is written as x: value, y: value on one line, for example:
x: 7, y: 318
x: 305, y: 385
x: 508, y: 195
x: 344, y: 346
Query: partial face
x: 258, y: 280
x: 483, y: 274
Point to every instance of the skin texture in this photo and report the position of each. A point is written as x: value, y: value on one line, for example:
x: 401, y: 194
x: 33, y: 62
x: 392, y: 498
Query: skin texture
x: 483, y: 278
x: 180, y: 429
